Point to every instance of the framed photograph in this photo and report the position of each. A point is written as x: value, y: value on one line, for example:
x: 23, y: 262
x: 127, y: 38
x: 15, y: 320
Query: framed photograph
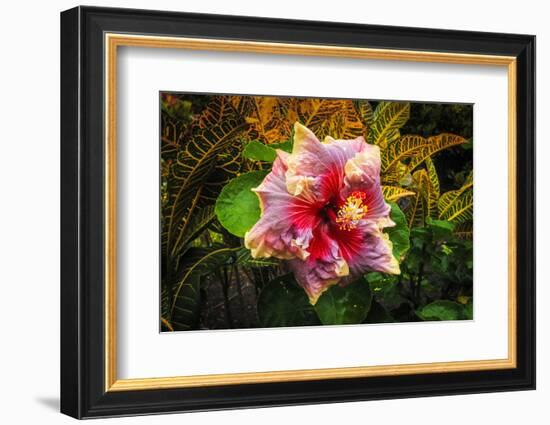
x: 261, y: 212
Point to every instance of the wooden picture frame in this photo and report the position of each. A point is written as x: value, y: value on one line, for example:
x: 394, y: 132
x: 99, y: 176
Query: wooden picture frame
x: 90, y: 38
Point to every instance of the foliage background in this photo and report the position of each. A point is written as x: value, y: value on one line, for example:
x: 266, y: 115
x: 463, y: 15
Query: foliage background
x: 209, y: 143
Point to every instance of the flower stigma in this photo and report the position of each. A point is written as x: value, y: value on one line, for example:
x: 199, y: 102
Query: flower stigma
x: 353, y: 210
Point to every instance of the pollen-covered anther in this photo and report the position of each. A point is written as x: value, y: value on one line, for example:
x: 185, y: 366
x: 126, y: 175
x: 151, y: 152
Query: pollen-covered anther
x: 353, y: 210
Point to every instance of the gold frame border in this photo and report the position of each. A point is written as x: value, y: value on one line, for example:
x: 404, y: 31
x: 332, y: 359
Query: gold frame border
x: 113, y: 41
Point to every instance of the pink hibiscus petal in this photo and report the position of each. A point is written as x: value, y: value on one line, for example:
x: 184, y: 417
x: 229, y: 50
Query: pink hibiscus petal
x: 274, y: 235
x: 323, y: 268
x: 376, y: 256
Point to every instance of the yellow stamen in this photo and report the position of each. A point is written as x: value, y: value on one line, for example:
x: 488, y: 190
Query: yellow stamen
x: 353, y: 210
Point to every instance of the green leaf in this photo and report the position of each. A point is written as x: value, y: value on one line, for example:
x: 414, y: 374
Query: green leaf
x: 283, y: 303
x: 345, y: 305
x: 244, y: 258
x: 378, y: 314
x: 441, y: 229
x: 441, y: 310
x: 385, y: 289
x: 286, y: 146
x: 257, y: 151
x: 198, y: 222
x: 399, y: 234
x: 237, y: 207
x: 184, y: 311
x: 469, y: 310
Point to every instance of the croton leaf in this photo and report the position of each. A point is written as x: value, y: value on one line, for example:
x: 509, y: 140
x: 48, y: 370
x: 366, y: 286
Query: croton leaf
x: 198, y: 222
x: 365, y: 110
x: 271, y: 119
x: 435, y: 144
x: 336, y: 118
x: 198, y: 169
x: 185, y: 308
x: 464, y: 231
x: 237, y: 207
x: 393, y: 193
x: 418, y: 209
x: 186, y: 295
x: 403, y: 148
x: 460, y: 209
x: 341, y: 305
x: 388, y: 118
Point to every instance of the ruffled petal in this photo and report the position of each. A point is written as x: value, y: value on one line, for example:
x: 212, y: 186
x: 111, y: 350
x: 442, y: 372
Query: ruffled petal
x: 314, y: 157
x: 362, y: 173
x: 323, y: 268
x: 285, y: 227
x: 317, y: 278
x: 364, y: 167
x: 315, y: 169
x: 366, y: 249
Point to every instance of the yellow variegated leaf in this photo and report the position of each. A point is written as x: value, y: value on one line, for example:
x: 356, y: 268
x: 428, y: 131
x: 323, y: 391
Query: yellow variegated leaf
x: 397, y: 175
x: 366, y: 113
x: 432, y: 174
x: 434, y: 145
x: 418, y: 209
x: 217, y: 111
x: 201, y: 168
x: 331, y: 117
x: 447, y: 200
x: 461, y: 209
x: 464, y: 230
x: 268, y: 117
x: 424, y: 204
x: 393, y: 193
x: 271, y: 119
x: 167, y: 324
x: 432, y: 190
x: 406, y: 147
x: 388, y: 118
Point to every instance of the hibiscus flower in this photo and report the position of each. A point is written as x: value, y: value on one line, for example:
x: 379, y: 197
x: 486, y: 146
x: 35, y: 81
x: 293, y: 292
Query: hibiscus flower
x: 323, y: 210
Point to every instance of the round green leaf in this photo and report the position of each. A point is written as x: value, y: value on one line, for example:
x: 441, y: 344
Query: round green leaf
x: 237, y: 207
x: 283, y: 303
x: 399, y: 234
x: 441, y: 310
x: 345, y: 305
